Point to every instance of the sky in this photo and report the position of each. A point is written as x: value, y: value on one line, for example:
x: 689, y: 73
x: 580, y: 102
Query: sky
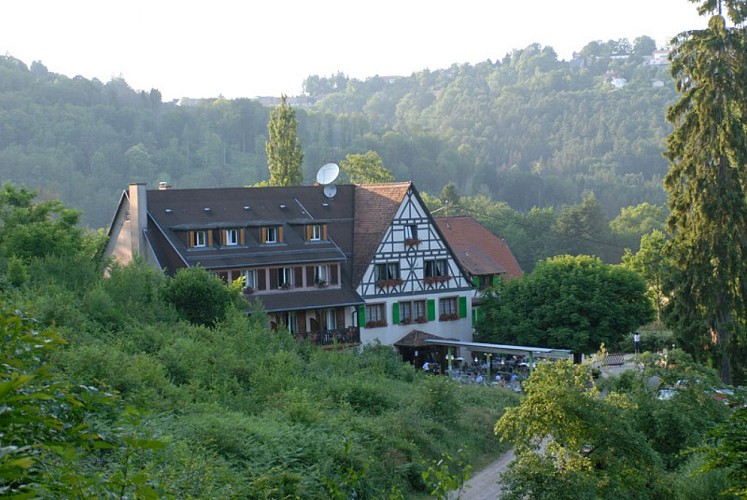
x: 235, y: 48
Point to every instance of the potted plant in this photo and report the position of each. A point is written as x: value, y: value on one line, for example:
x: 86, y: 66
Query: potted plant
x: 320, y: 283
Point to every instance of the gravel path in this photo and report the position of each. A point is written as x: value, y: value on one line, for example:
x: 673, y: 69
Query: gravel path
x: 485, y: 485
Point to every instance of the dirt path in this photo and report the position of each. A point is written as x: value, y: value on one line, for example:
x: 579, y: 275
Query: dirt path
x: 485, y: 484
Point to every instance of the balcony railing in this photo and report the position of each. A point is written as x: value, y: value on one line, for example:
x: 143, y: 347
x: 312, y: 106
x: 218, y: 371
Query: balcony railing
x: 346, y: 335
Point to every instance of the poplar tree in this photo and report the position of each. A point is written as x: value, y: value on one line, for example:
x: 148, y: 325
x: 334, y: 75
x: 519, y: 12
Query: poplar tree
x: 707, y: 151
x: 284, y: 155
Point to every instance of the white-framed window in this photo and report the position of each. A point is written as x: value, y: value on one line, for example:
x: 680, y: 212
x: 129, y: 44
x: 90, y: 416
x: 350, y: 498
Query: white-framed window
x: 285, y: 275
x: 231, y: 237
x: 198, y: 239
x: 315, y: 232
x: 270, y: 234
x: 331, y: 319
x: 387, y: 271
x: 375, y: 315
x: 436, y: 268
x: 321, y: 275
x: 412, y: 310
x: 411, y: 232
x: 250, y: 278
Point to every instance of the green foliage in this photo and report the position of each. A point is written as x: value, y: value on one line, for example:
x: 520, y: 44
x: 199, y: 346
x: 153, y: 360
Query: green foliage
x: 36, y: 230
x: 706, y: 188
x: 366, y: 168
x: 726, y: 450
x: 446, y: 476
x: 574, y: 303
x: 284, y: 155
x: 199, y: 296
x: 571, y: 442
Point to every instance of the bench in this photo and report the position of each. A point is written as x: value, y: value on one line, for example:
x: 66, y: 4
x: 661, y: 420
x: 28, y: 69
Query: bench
x: 614, y: 359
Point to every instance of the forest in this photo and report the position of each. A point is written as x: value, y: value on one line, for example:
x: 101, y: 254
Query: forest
x: 526, y: 132
x: 113, y: 387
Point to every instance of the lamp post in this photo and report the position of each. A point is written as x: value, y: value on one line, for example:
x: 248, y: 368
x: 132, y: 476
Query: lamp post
x: 450, y: 358
x: 488, y: 356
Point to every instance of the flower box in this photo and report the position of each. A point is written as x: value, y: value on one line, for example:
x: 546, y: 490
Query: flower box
x: 375, y: 324
x: 448, y: 317
x: 421, y: 319
x: 387, y: 283
x: 436, y: 279
x: 412, y: 242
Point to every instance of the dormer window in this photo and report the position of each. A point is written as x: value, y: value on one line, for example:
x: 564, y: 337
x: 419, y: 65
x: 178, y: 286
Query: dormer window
x: 197, y: 239
x: 316, y: 232
x: 230, y: 237
x: 272, y: 234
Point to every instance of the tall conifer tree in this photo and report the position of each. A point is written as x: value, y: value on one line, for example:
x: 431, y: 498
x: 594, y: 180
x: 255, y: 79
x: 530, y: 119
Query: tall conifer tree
x: 284, y: 155
x: 706, y: 184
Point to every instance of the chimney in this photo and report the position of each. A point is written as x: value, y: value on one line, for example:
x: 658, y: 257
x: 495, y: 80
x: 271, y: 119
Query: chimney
x: 138, y: 217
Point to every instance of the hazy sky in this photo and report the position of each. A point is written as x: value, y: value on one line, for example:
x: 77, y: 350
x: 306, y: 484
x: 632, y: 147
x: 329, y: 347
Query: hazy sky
x: 248, y: 48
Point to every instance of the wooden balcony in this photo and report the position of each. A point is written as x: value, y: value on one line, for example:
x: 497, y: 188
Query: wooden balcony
x: 346, y: 335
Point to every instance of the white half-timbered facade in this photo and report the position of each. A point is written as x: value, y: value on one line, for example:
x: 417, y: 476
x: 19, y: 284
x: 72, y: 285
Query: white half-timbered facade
x: 412, y: 280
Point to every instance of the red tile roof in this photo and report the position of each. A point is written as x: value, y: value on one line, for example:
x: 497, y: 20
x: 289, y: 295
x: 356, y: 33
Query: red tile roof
x: 375, y: 206
x: 479, y: 251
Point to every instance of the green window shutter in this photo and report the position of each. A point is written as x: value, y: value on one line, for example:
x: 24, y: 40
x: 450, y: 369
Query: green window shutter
x: 361, y: 316
x: 496, y: 279
x: 431, y: 310
x: 395, y: 313
x: 462, y: 307
x: 476, y: 281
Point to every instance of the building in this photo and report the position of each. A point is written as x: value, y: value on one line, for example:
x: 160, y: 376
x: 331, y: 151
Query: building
x: 484, y: 257
x: 354, y: 264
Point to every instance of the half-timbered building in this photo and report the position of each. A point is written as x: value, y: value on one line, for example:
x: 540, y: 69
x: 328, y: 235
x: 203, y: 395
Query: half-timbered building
x: 360, y: 263
x: 404, y: 270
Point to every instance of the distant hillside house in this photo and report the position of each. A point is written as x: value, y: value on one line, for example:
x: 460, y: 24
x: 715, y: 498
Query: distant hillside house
x: 368, y: 263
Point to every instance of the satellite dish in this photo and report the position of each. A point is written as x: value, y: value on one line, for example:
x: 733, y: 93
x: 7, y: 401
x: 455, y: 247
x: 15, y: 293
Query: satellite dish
x: 327, y: 174
x: 330, y: 190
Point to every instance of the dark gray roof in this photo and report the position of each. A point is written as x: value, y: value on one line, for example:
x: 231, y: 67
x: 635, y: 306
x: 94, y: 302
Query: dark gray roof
x: 172, y: 211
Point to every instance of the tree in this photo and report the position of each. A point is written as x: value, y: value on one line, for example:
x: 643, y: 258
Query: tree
x: 567, y: 302
x: 571, y: 443
x: 367, y: 168
x: 198, y: 296
x: 34, y: 230
x: 727, y: 448
x: 284, y: 155
x: 651, y: 263
x: 583, y: 228
x: 707, y: 152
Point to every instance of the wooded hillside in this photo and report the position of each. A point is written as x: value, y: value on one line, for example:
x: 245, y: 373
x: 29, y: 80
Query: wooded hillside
x: 528, y: 130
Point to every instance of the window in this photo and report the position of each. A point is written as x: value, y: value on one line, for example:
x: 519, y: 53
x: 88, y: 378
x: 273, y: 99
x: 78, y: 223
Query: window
x: 284, y: 277
x: 436, y: 268
x: 250, y: 279
x: 231, y: 237
x: 316, y: 232
x: 321, y: 275
x: 447, y: 309
x: 198, y: 239
x: 375, y: 315
x: 410, y: 311
x: 272, y: 234
x: 405, y: 312
x: 411, y: 232
x: 419, y: 311
x: 387, y: 271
